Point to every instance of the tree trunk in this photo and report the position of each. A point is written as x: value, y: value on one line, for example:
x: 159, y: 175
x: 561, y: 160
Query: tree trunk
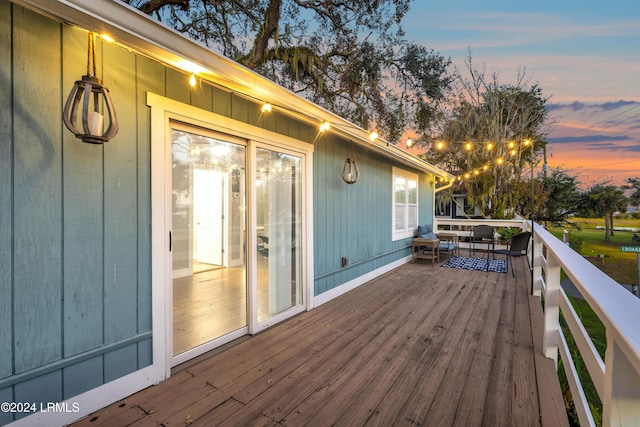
x: 607, y: 225
x: 611, y: 232
x: 261, y: 43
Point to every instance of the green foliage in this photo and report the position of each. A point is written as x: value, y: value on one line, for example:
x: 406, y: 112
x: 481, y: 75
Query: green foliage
x: 507, y: 233
x: 563, y: 198
x: 604, y: 199
x: 496, y: 119
x: 576, y: 242
x: 633, y: 184
x: 349, y: 57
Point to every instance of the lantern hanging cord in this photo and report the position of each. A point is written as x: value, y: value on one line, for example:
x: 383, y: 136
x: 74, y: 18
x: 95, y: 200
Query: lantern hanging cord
x: 91, y: 54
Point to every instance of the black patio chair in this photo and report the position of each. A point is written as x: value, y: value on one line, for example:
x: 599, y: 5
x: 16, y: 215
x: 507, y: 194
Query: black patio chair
x: 481, y: 234
x: 517, y: 248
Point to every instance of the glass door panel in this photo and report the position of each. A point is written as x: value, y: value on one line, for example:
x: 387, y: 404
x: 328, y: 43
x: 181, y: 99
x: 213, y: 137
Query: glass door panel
x: 279, y: 225
x: 208, y: 236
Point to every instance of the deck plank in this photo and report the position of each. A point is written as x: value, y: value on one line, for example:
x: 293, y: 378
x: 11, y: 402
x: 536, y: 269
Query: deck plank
x: 552, y: 410
x: 525, y: 405
x: 420, y: 345
x: 444, y: 339
x: 450, y: 393
x: 471, y: 409
x: 497, y: 410
x: 339, y: 360
x: 352, y: 400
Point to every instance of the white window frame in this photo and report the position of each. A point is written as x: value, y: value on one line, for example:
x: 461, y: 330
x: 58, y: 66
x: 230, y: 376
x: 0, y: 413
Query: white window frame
x: 409, y: 229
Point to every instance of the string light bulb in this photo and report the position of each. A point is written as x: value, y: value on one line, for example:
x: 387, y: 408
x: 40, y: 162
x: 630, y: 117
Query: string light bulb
x: 107, y: 38
x: 440, y: 145
x: 373, y: 136
x: 192, y: 80
x: 469, y: 146
x: 325, y: 126
x: 266, y: 107
x: 409, y: 142
x: 490, y: 146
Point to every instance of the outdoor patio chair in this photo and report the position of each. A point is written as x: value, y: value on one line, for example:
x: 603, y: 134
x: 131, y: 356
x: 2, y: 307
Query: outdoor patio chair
x: 484, y: 234
x: 448, y: 243
x: 517, y: 248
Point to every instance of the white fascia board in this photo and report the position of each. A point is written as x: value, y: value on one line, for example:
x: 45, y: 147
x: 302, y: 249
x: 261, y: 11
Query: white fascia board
x: 135, y: 30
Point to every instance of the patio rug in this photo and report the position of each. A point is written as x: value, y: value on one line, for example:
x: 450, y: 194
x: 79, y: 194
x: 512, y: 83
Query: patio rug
x: 467, y: 263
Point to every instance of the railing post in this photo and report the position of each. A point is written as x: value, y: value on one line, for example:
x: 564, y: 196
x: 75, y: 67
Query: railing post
x: 621, y: 400
x: 537, y: 266
x: 551, y: 338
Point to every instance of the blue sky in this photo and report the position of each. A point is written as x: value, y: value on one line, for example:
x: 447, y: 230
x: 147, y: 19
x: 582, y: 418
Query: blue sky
x: 577, y: 50
x: 584, y: 54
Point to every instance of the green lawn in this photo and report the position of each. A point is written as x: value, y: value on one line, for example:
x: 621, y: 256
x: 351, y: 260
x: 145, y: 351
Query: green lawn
x: 620, y: 266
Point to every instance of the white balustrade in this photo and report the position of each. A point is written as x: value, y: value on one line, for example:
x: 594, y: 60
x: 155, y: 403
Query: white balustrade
x: 617, y: 378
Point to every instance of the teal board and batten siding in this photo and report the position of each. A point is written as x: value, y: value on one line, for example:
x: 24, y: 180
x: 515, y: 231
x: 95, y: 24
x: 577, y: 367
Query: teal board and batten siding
x: 355, y: 220
x: 75, y: 218
x: 75, y: 253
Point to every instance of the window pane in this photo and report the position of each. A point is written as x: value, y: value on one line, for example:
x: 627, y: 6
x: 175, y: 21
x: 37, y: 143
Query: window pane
x: 400, y: 187
x: 279, y: 221
x: 413, y: 192
x: 413, y: 217
x: 208, y: 238
x: 399, y: 225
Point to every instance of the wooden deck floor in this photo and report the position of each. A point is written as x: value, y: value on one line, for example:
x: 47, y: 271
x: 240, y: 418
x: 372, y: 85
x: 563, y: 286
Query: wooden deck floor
x: 421, y: 345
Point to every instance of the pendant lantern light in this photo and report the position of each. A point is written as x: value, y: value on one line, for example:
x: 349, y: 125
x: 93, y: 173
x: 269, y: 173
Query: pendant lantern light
x: 86, y: 96
x: 350, y: 171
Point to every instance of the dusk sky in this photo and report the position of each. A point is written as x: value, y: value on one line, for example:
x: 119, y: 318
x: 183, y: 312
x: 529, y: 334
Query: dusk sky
x: 585, y: 55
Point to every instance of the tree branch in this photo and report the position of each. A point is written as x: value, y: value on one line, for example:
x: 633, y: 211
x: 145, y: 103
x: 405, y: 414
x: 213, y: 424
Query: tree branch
x: 155, y: 5
x: 268, y: 30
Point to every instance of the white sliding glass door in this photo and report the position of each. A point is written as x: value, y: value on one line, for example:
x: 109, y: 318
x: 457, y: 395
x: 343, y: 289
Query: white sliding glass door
x: 231, y: 229
x: 279, y: 232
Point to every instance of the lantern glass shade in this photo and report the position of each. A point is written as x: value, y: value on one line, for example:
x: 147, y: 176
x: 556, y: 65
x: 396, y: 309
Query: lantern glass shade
x: 350, y: 171
x: 87, y: 95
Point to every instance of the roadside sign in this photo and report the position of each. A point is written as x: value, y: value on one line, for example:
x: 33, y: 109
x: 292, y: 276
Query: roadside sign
x: 635, y: 249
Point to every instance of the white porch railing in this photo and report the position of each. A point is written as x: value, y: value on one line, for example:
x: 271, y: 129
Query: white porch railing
x: 617, y: 378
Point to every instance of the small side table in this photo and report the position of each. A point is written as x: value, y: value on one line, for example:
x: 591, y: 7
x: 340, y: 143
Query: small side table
x: 433, y: 254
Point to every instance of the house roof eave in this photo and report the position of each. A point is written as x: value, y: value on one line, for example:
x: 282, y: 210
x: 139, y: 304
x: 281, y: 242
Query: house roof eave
x: 135, y: 30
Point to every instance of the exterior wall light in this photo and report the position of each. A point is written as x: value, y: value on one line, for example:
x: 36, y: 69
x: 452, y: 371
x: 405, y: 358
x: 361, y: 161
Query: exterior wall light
x: 350, y: 171
x: 91, y: 129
